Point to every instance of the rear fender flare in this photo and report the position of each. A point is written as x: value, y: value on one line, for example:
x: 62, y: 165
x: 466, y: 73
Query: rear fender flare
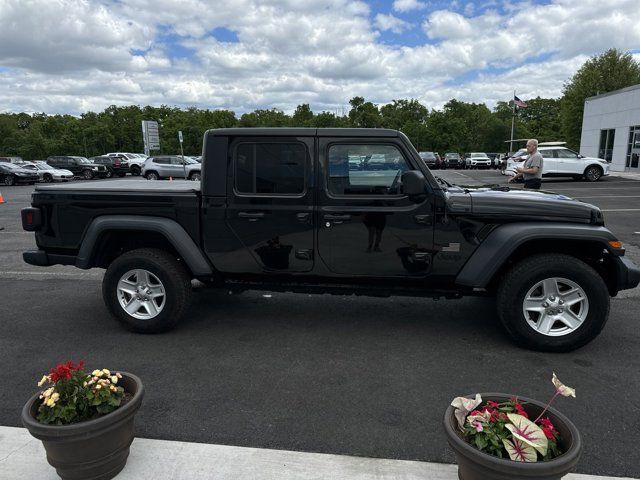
x: 170, y: 229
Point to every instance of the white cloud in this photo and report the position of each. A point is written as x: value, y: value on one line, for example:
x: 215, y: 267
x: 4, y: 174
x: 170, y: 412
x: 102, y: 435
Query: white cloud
x: 389, y: 22
x: 408, y: 5
x: 69, y: 56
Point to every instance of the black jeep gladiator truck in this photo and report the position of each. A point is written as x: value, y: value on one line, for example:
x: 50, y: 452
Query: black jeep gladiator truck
x: 341, y: 211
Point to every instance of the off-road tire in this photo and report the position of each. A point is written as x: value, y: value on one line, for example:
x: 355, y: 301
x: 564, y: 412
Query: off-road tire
x: 515, y: 284
x: 170, y: 271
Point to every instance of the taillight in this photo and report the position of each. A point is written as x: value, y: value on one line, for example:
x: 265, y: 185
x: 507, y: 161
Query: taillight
x: 31, y: 219
x: 116, y: 164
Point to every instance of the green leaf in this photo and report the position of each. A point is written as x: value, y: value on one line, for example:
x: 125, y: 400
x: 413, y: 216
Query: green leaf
x: 528, y: 432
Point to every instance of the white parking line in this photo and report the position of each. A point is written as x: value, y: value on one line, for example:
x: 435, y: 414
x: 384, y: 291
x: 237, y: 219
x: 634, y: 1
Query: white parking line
x: 611, y: 196
x: 622, y: 210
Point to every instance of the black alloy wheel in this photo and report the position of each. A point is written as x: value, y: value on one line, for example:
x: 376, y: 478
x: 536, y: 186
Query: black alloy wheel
x: 87, y: 174
x: 9, y: 180
x: 593, y: 173
x: 47, y: 178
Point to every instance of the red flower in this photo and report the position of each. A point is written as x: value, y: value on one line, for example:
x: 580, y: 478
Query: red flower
x: 548, y: 428
x: 492, y: 404
x: 520, y: 410
x: 64, y: 370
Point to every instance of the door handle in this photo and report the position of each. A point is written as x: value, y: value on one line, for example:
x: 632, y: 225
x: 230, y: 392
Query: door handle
x: 251, y: 215
x: 302, y: 217
x: 337, y: 217
x: 422, y: 219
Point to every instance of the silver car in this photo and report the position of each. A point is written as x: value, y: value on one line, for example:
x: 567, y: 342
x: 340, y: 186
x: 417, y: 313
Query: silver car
x: 170, y: 166
x: 47, y: 173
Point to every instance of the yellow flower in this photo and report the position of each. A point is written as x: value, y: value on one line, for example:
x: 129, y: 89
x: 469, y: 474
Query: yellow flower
x: 106, y: 372
x: 98, y: 387
x: 55, y: 397
x: 114, y: 379
x: 48, y: 392
x: 112, y: 388
x: 95, y: 373
x: 44, y: 380
x: 84, y: 384
x: 118, y: 375
x: 50, y: 403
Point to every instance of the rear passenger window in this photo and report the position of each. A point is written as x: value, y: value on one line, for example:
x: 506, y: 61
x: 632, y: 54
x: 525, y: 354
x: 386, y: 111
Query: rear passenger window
x: 162, y: 160
x: 270, y: 168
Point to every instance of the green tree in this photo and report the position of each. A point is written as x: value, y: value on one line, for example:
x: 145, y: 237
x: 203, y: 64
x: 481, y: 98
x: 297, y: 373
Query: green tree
x: 364, y: 114
x: 603, y: 73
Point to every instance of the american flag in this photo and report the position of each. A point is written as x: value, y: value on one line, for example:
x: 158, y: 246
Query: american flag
x: 519, y: 103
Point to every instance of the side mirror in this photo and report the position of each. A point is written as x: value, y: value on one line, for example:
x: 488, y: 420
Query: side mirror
x: 413, y: 183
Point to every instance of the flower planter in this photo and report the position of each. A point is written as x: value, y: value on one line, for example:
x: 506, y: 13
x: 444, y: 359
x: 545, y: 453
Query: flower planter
x: 91, y: 450
x: 476, y: 465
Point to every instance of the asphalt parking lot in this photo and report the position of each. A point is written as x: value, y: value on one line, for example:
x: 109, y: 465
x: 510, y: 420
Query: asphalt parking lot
x: 348, y: 375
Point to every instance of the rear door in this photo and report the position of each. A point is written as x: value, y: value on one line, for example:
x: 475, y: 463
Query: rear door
x: 366, y: 226
x: 270, y: 199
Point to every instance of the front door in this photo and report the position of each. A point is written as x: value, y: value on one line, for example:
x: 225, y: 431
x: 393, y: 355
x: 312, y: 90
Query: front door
x: 549, y: 162
x: 569, y: 162
x: 366, y: 226
x: 270, y: 204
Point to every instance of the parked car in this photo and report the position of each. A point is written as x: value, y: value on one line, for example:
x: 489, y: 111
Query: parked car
x: 439, y: 161
x: 11, y: 159
x: 12, y: 174
x: 453, y: 160
x: 479, y: 160
x: 46, y: 173
x: 495, y: 159
x: 429, y: 159
x: 260, y: 220
x: 115, y: 165
x: 79, y: 166
x: 170, y: 166
x: 562, y: 162
x: 135, y: 160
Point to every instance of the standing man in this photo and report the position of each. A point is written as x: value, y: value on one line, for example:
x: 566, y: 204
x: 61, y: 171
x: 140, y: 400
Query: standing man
x: 531, y: 171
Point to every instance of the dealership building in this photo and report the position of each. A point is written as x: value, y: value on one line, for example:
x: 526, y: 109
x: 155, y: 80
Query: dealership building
x: 611, y: 128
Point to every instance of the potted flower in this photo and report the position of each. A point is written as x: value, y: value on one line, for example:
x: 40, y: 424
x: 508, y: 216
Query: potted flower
x: 85, y: 421
x: 501, y: 437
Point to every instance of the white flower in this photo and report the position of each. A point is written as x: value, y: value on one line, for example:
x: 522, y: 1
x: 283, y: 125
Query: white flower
x: 44, y: 380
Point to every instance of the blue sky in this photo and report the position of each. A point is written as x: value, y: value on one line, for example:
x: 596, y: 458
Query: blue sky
x: 247, y: 54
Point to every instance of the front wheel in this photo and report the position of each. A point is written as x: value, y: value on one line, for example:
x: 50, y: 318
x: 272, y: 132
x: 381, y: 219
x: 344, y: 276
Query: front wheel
x: 152, y: 176
x: 109, y: 173
x: 87, y: 174
x: 47, y: 178
x: 147, y: 290
x: 9, y: 180
x: 593, y: 174
x: 195, y: 176
x: 553, y: 302
x: 135, y: 170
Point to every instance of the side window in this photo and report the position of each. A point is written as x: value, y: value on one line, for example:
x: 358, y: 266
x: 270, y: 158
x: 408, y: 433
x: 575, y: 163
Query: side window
x: 270, y: 168
x: 566, y: 153
x: 161, y: 160
x: 547, y: 153
x: 365, y: 169
x: 176, y: 161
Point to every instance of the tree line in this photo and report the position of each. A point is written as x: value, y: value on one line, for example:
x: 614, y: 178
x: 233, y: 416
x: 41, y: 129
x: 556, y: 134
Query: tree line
x: 457, y: 127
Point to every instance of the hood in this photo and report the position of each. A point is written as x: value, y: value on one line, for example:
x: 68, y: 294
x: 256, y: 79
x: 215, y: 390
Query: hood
x: 518, y: 204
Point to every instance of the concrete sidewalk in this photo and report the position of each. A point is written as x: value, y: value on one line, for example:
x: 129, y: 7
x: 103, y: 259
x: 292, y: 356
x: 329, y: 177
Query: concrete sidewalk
x: 630, y: 175
x: 23, y: 457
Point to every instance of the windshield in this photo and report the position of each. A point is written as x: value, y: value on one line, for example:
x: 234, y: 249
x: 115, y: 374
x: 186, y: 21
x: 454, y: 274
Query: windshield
x: 82, y: 159
x: 44, y: 166
x: 12, y: 166
x: 479, y: 155
x: 188, y: 160
x: 427, y: 155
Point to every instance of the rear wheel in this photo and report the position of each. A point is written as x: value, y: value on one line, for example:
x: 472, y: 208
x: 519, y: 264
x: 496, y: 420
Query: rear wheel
x: 553, y: 302
x: 147, y: 290
x: 109, y: 173
x: 593, y: 173
x: 152, y: 176
x: 135, y: 170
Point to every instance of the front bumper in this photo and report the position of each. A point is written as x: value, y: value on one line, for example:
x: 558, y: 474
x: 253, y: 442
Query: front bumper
x: 628, y: 273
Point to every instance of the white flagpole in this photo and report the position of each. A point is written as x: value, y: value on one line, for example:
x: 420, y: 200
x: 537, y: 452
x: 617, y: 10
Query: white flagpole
x: 513, y: 120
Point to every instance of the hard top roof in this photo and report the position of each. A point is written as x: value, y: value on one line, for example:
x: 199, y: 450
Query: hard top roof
x: 304, y: 132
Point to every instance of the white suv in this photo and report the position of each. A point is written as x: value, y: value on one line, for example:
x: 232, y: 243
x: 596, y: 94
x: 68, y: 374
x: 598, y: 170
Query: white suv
x: 479, y: 160
x: 562, y: 162
x: 136, y: 160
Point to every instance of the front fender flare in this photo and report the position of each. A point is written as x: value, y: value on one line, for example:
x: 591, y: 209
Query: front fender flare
x: 494, y: 251
x: 170, y: 229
